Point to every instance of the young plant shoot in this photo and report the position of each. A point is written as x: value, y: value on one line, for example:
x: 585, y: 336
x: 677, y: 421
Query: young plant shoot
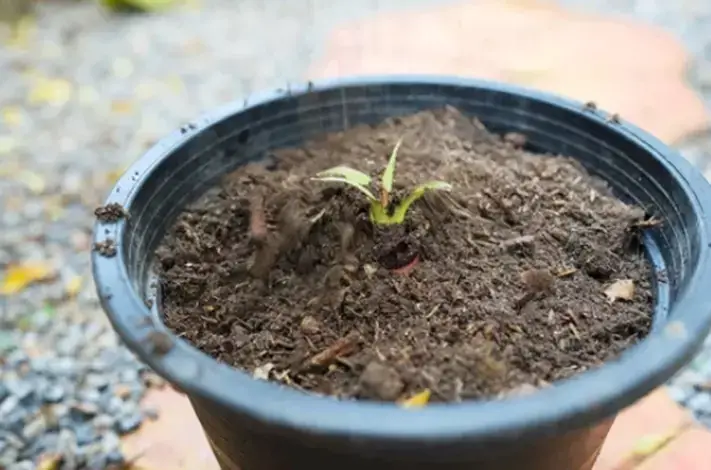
x: 382, y: 211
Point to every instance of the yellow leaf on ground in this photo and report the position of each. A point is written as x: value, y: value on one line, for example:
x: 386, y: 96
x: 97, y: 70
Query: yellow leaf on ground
x: 651, y: 444
x: 12, y: 115
x: 54, y: 91
x: 418, y: 400
x: 620, y: 290
x: 121, y: 106
x: 49, y: 462
x: 7, y: 144
x: 22, y: 32
x: 73, y: 286
x: 19, y: 276
x: 54, y: 207
x: 33, y: 181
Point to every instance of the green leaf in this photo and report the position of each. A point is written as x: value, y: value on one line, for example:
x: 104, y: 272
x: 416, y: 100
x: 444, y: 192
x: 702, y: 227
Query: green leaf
x: 431, y: 185
x: 142, y: 5
x: 399, y: 215
x: 359, y: 187
x: 389, y: 173
x: 347, y: 173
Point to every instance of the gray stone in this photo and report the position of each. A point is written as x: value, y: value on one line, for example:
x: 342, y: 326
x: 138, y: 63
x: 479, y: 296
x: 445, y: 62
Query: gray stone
x: 34, y: 428
x: 54, y: 394
x: 700, y: 403
x: 128, y: 423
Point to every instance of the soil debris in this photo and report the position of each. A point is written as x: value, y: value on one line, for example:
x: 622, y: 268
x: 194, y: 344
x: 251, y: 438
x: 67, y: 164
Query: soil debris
x: 110, y: 213
x: 107, y: 248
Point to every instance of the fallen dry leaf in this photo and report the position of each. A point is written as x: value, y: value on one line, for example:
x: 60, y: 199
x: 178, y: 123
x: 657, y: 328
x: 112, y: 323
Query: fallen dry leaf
x: 622, y: 290
x: 73, y: 286
x: 651, y: 444
x: 22, y: 33
x: 418, y: 400
x: 49, y: 462
x: 19, y: 276
x: 121, y: 106
x: 54, y: 207
x: 11, y: 115
x: 33, y: 181
x: 53, y: 91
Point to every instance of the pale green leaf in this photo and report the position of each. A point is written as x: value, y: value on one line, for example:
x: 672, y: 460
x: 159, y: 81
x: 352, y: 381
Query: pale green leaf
x: 143, y: 5
x: 399, y: 215
x: 389, y: 173
x: 431, y: 185
x: 336, y: 179
x: 348, y: 173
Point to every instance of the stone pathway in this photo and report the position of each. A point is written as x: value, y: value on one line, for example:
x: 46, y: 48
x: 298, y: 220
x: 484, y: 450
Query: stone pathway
x: 84, y: 94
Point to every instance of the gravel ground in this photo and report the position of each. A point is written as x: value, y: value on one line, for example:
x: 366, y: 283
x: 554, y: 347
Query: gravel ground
x: 68, y: 110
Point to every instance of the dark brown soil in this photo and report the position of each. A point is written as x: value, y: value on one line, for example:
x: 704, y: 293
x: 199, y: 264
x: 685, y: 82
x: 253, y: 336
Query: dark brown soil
x: 112, y: 212
x: 106, y: 248
x: 287, y: 278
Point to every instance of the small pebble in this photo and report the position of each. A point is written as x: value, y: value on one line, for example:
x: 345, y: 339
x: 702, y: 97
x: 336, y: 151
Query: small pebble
x: 128, y: 424
x: 54, y: 394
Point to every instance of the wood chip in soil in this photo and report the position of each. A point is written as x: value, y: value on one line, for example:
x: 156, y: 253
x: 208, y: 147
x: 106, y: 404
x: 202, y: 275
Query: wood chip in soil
x: 274, y: 268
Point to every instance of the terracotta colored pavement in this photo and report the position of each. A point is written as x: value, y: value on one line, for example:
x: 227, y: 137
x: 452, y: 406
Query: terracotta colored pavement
x: 626, y: 67
x: 655, y: 434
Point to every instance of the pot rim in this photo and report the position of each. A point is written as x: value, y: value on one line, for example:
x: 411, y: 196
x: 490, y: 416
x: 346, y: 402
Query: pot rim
x: 576, y: 402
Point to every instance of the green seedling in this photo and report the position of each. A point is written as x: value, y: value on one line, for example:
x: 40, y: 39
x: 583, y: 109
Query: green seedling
x: 382, y: 212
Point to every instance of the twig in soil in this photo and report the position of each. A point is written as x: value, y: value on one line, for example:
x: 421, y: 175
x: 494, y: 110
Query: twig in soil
x: 257, y: 219
x: 649, y: 223
x: 341, y: 347
x: 525, y: 241
x: 346, y: 231
x: 264, y: 259
x: 566, y: 272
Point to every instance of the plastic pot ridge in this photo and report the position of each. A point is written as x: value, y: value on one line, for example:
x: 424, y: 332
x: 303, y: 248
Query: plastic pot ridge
x: 261, y: 426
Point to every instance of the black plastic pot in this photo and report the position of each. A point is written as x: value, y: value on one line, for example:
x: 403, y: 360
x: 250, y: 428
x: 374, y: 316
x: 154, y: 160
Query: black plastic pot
x: 255, y: 425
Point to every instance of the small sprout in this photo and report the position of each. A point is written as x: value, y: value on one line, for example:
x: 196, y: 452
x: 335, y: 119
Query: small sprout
x: 381, y: 210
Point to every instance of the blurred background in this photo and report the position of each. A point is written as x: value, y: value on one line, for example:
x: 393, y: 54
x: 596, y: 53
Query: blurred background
x: 85, y: 89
